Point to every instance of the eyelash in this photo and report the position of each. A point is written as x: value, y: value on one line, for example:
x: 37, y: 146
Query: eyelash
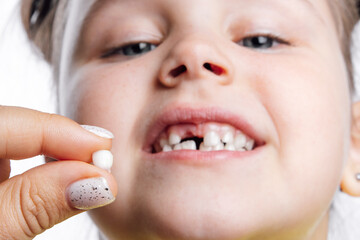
x: 129, y: 50
x: 260, y: 38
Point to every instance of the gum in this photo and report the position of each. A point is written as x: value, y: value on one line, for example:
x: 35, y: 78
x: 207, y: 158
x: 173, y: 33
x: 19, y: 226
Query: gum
x: 198, y: 130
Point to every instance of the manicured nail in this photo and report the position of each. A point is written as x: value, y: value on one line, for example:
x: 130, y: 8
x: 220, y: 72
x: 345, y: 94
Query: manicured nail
x: 90, y: 193
x: 101, y: 132
x: 103, y: 159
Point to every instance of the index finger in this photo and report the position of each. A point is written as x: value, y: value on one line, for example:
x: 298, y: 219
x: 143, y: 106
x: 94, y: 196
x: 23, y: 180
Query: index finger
x: 25, y: 133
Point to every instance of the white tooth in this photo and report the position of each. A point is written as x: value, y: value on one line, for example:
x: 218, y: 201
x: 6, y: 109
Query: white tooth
x: 240, y: 141
x: 211, y: 139
x: 250, y: 144
x: 230, y: 147
x: 204, y: 148
x: 167, y: 148
x: 174, y: 139
x: 189, y: 145
x: 219, y: 147
x: 163, y: 142
x: 228, y: 138
x: 178, y: 147
x: 103, y: 159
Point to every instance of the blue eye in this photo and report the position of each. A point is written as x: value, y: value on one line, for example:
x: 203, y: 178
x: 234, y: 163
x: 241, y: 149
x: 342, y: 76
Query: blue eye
x: 131, y: 50
x: 137, y: 49
x: 261, y: 42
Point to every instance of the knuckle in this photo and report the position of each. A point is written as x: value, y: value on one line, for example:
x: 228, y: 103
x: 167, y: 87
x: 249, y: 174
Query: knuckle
x: 34, y: 209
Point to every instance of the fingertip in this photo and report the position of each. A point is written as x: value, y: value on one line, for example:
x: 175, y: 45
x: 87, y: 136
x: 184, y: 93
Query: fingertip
x: 65, y: 139
x: 112, y: 182
x: 53, y: 192
x: 84, y: 185
x: 92, y: 192
x: 29, y: 133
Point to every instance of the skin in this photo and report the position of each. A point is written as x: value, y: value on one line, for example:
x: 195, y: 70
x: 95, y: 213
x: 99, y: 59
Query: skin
x: 295, y: 94
x: 28, y: 206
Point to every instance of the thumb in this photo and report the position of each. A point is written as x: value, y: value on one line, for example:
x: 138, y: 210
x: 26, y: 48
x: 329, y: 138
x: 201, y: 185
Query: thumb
x: 48, y: 194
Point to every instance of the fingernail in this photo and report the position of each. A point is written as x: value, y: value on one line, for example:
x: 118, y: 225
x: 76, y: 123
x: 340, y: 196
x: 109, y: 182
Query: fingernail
x: 90, y: 193
x: 101, y: 132
x: 103, y: 159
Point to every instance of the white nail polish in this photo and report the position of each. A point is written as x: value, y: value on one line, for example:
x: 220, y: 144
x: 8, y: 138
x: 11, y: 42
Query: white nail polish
x: 90, y: 193
x: 103, y: 159
x: 101, y: 132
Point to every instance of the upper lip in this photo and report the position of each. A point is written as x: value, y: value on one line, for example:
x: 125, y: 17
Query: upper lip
x: 179, y: 115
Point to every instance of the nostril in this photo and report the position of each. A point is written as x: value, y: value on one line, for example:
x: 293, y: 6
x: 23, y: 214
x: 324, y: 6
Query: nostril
x: 178, y: 71
x: 214, y: 68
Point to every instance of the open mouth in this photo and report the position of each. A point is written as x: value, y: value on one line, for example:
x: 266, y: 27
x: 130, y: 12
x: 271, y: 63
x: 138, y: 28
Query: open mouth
x: 202, y: 130
x: 210, y: 136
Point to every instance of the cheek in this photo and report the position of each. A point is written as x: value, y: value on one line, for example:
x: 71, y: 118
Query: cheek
x: 109, y: 96
x: 310, y: 108
x: 112, y: 97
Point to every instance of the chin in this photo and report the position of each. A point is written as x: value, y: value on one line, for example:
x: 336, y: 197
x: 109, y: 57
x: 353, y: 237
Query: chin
x: 200, y: 209
x: 189, y: 220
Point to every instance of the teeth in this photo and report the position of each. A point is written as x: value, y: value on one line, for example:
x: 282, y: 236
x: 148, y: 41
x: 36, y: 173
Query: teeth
x: 204, y: 148
x: 228, y: 138
x: 190, y: 145
x: 240, y: 141
x: 219, y: 147
x: 211, y: 142
x: 211, y: 139
x: 178, y: 147
x: 250, y: 145
x: 230, y: 147
x: 163, y: 142
x: 167, y: 148
x: 174, y: 139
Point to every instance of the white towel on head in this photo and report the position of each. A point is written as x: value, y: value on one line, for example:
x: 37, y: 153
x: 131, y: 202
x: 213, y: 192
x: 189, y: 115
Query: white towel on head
x: 344, y: 221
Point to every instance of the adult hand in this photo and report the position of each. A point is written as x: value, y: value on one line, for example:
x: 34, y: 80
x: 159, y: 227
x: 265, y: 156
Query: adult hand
x: 46, y: 195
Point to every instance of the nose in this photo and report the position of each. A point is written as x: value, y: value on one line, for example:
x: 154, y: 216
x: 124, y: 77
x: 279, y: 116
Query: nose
x: 195, y: 58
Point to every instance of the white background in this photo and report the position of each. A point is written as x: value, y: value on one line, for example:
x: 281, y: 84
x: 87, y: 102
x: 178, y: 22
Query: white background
x: 25, y: 80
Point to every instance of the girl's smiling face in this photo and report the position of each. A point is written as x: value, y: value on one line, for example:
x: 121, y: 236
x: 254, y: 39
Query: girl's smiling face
x: 152, y: 71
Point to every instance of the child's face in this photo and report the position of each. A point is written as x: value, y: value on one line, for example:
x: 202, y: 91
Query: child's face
x: 271, y: 69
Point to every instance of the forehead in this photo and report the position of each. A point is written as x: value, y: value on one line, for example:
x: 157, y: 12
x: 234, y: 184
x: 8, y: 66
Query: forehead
x: 317, y: 8
x: 108, y: 15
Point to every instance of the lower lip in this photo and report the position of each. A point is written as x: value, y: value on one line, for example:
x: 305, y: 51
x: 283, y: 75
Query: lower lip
x: 196, y: 157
